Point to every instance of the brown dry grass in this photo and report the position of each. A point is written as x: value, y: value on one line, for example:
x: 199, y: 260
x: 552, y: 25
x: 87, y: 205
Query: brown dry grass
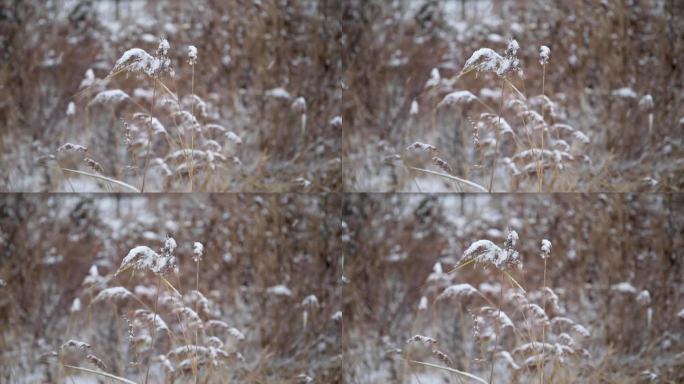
x: 50, y: 243
x: 598, y: 241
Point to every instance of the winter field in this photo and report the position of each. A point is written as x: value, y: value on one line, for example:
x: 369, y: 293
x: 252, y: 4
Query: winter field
x: 170, y: 96
x: 341, y: 191
x: 519, y: 96
x: 201, y: 289
x: 586, y: 289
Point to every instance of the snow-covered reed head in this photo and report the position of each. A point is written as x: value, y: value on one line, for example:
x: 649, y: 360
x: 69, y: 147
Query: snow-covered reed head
x: 486, y: 60
x: 544, y: 55
x: 486, y: 252
x: 197, y: 251
x: 145, y: 259
x: 138, y: 61
x: 299, y: 105
x: 545, y: 249
x: 192, y: 55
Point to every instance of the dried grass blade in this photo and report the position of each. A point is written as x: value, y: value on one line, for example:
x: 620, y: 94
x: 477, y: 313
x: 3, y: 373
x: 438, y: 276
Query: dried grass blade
x: 105, y: 178
x: 105, y: 374
x: 466, y: 374
x: 464, y: 181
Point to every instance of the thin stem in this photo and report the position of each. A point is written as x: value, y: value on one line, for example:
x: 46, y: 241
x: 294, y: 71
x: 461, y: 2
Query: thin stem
x: 541, y: 154
x: 452, y: 370
x: 451, y: 177
x: 498, y: 326
x: 192, y: 129
x: 154, y: 328
x: 196, y: 329
x: 497, y: 134
x: 149, y: 138
x: 107, y: 179
x: 543, y: 325
x: 100, y: 373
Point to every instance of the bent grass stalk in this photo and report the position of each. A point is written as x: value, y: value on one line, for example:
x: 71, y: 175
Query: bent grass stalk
x: 452, y: 370
x: 451, y: 177
x: 100, y: 373
x: 105, y: 178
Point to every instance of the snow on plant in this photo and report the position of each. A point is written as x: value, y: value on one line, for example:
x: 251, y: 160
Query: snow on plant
x: 486, y: 252
x: 546, y: 249
x: 192, y: 55
x: 336, y: 122
x: 457, y: 97
x: 174, y: 137
x: 486, y: 60
x: 544, y: 55
x: 457, y: 290
x: 535, y: 142
x: 138, y: 61
x: 145, y: 259
x: 169, y: 315
x: 109, y: 97
x: 279, y: 290
x: 112, y: 294
x: 278, y: 93
x: 508, y: 327
x: 197, y: 251
x: 72, y: 148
